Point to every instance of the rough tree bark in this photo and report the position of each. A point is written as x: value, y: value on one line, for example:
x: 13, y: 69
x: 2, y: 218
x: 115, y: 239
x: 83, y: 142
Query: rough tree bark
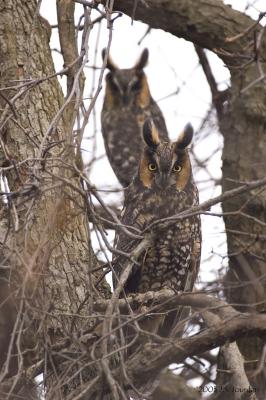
x: 45, y: 243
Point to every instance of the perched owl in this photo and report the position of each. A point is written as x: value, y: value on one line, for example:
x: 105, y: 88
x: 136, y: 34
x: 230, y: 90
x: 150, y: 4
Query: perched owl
x: 163, y: 187
x: 127, y: 103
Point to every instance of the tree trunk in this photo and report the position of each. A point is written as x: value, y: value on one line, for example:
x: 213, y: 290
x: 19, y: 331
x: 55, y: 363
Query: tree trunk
x: 45, y: 243
x: 244, y: 127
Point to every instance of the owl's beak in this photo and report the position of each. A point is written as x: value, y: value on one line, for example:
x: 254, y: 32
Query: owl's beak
x: 163, y: 180
x: 125, y: 99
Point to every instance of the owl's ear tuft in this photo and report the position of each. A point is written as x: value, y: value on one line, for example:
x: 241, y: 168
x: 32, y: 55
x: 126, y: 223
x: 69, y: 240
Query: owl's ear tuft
x: 185, y: 137
x: 150, y: 134
x: 110, y: 64
x: 142, y: 62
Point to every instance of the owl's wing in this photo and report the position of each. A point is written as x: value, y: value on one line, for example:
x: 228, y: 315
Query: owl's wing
x: 195, y: 262
x: 126, y: 244
x: 171, y: 325
x: 121, y: 134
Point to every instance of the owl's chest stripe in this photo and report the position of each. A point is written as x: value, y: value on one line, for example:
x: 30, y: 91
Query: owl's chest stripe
x: 166, y: 262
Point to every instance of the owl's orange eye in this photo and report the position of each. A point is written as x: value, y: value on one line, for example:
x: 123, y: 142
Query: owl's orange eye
x: 152, y: 167
x: 177, y: 168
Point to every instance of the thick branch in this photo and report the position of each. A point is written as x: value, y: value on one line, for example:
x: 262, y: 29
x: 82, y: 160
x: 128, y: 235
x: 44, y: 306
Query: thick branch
x: 167, y: 299
x: 151, y: 360
x: 68, y: 42
x: 209, y: 25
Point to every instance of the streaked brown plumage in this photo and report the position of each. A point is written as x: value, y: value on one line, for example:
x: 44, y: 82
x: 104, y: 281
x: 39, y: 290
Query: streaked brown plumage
x: 163, y: 187
x: 127, y: 103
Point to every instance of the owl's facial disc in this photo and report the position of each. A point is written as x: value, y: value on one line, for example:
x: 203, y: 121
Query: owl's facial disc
x: 164, y: 168
x: 164, y: 164
x: 126, y: 84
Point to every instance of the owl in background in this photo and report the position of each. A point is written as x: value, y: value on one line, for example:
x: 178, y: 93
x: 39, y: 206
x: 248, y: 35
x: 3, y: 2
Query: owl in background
x: 127, y: 103
x: 163, y: 187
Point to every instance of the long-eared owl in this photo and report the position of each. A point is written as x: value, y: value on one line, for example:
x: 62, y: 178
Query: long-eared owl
x: 127, y: 103
x: 162, y: 188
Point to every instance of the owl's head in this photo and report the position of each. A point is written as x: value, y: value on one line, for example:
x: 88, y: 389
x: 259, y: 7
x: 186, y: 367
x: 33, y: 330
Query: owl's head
x: 127, y: 86
x: 165, y: 164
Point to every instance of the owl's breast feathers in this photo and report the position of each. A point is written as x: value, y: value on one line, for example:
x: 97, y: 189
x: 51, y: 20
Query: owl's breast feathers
x: 173, y: 256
